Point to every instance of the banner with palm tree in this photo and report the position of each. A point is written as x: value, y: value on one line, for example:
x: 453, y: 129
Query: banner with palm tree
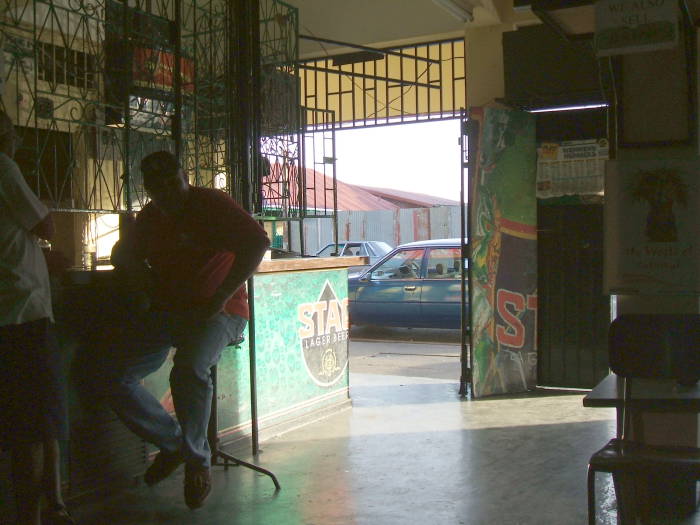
x: 652, y: 227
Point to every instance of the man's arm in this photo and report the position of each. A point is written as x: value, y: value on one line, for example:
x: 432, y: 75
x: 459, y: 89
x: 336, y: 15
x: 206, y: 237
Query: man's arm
x: 131, y: 269
x: 127, y: 251
x: 244, y: 264
x: 242, y: 268
x: 237, y: 233
x: 26, y: 208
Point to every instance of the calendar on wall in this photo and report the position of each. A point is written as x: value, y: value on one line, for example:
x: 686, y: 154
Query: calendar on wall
x: 575, y: 167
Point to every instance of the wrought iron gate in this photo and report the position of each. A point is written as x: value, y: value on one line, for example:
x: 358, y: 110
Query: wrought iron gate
x: 374, y: 87
x: 94, y: 86
x: 469, y: 139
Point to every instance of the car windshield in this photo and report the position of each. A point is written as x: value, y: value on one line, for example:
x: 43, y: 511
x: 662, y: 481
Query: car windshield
x: 328, y: 251
x: 404, y: 264
x: 378, y: 248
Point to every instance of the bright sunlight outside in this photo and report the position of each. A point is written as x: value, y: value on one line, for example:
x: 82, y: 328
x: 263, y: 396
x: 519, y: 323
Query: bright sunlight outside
x: 418, y: 157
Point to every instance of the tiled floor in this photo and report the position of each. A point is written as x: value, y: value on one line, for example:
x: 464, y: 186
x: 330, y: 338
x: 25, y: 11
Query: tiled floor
x: 408, y: 452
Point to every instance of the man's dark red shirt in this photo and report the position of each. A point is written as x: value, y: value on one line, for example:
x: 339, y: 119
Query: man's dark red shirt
x: 192, y: 253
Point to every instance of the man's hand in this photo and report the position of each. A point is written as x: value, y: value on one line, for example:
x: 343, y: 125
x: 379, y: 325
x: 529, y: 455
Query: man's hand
x: 209, y: 309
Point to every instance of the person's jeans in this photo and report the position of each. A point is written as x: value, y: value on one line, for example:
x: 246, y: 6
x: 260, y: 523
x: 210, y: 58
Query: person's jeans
x: 140, y: 349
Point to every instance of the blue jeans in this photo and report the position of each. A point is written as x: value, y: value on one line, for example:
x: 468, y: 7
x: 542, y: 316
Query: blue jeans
x: 139, y: 349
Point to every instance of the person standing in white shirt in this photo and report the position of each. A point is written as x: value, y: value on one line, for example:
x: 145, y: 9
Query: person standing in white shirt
x: 32, y: 402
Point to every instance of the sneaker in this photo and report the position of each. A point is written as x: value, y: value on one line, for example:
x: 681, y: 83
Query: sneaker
x: 197, y: 485
x: 164, y: 465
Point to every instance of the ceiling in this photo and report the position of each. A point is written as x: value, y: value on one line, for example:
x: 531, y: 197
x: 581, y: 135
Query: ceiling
x: 383, y: 23
x: 395, y: 23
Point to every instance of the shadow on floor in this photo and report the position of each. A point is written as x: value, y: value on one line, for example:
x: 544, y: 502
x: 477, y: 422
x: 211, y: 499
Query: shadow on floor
x: 409, y: 452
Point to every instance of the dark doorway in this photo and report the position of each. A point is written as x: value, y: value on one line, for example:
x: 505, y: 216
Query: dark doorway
x: 573, y: 311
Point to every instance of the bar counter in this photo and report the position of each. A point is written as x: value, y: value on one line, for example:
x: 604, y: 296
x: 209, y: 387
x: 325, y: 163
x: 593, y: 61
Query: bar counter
x: 301, y: 348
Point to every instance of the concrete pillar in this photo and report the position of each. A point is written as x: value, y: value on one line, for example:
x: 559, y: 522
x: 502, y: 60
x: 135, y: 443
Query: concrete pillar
x: 484, y: 57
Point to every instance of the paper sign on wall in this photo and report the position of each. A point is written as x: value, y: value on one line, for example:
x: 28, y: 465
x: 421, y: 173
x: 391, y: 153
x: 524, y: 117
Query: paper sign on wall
x: 634, y: 26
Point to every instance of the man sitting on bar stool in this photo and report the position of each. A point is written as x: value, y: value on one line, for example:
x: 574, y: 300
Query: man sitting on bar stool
x: 201, y: 248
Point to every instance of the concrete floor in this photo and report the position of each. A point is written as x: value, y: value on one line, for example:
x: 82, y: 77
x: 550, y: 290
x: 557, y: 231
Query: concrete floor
x: 410, y: 451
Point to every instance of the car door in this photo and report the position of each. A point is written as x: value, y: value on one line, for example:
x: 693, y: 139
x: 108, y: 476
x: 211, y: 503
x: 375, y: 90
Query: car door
x: 390, y: 294
x: 441, y: 295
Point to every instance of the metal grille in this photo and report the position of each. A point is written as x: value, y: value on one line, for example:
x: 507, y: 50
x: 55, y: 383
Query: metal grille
x: 388, y: 86
x: 95, y: 86
x: 320, y: 197
x: 87, y: 85
x: 280, y: 165
x: 205, y: 124
x: 121, y: 80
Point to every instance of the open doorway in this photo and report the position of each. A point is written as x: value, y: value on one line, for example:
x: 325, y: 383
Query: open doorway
x: 400, y: 184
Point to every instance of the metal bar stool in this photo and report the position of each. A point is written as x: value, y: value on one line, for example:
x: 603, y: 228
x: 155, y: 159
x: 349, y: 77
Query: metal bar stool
x: 218, y: 456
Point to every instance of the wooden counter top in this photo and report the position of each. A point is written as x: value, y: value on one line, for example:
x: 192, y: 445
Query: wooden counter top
x: 310, y: 263
x: 104, y: 274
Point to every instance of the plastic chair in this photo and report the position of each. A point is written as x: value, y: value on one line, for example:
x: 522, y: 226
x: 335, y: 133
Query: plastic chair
x: 646, y: 346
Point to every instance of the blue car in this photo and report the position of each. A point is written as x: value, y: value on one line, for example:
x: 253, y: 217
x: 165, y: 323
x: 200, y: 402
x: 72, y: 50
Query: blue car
x: 416, y: 285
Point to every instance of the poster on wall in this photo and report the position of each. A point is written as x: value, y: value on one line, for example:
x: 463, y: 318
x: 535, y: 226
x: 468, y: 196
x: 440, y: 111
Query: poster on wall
x: 652, y: 227
x: 574, y: 167
x: 504, y: 253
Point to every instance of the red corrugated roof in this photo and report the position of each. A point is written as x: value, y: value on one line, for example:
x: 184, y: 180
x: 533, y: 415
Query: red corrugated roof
x: 319, y: 192
x: 420, y: 200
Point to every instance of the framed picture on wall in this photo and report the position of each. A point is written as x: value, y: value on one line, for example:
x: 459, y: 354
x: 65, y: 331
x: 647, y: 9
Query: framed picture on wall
x: 652, y: 227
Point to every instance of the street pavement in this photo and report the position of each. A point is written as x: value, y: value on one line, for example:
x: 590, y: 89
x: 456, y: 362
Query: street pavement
x: 411, y: 352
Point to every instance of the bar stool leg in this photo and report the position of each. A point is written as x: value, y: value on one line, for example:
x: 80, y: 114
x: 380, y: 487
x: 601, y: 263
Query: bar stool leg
x: 216, y: 454
x: 591, y: 496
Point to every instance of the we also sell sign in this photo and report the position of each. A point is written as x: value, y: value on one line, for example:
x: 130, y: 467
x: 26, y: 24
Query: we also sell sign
x: 633, y: 26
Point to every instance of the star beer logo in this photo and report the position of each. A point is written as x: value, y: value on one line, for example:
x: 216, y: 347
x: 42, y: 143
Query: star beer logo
x: 324, y: 336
